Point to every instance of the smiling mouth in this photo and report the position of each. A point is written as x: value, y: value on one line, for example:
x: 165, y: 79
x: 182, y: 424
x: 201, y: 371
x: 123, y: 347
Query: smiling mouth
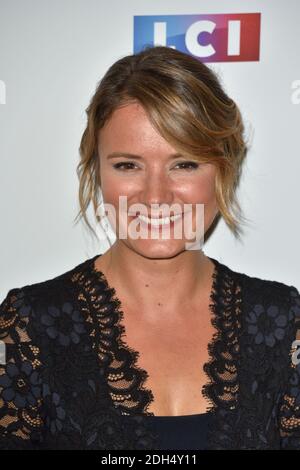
x: 158, y: 221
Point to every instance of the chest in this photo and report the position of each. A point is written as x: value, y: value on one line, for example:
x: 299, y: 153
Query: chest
x: 173, y: 354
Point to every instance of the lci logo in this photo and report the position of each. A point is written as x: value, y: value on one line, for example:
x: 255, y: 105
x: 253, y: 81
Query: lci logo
x: 211, y: 38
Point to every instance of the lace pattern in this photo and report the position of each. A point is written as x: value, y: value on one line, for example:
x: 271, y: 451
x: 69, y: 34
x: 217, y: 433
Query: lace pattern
x: 124, y: 378
x: 70, y: 376
x: 290, y: 407
x: 20, y: 400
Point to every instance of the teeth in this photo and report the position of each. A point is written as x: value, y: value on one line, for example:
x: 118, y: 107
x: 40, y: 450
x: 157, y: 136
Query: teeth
x: 162, y: 221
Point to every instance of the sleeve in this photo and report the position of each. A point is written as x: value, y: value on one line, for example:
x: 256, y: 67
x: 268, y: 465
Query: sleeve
x: 20, y: 383
x: 289, y: 415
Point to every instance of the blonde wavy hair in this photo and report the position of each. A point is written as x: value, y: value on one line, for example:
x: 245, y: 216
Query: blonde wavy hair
x: 187, y: 105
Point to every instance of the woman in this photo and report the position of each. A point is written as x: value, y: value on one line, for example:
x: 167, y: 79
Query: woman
x: 206, y: 363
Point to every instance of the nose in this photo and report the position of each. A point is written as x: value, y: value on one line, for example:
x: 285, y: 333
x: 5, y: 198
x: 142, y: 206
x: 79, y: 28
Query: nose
x: 157, y: 189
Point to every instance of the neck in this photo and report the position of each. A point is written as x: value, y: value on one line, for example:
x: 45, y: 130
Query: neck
x: 167, y: 283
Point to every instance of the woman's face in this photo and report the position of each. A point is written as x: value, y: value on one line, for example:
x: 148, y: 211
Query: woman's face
x: 153, y: 177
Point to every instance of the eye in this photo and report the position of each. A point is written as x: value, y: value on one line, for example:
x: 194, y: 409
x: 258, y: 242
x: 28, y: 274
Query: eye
x: 120, y: 165
x: 191, y: 165
x: 123, y: 166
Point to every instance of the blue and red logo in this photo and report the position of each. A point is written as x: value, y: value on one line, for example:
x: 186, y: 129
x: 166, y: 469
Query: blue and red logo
x: 211, y: 38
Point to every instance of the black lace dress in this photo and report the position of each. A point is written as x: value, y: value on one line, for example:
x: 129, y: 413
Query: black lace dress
x: 68, y: 380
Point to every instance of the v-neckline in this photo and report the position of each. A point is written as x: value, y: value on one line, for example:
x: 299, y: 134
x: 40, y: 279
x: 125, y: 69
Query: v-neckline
x: 112, y: 305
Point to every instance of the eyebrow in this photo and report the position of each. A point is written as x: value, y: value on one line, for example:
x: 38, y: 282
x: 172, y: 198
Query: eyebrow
x: 137, y: 157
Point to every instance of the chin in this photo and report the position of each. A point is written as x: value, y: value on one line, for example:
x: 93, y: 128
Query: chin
x: 157, y: 249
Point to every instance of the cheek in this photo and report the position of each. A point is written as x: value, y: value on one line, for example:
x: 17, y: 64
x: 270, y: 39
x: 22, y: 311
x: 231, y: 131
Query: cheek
x: 112, y: 189
x: 207, y: 188
x: 113, y: 186
x: 207, y: 191
x: 201, y: 190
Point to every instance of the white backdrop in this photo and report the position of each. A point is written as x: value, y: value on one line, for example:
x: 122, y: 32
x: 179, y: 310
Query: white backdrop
x: 53, y: 53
